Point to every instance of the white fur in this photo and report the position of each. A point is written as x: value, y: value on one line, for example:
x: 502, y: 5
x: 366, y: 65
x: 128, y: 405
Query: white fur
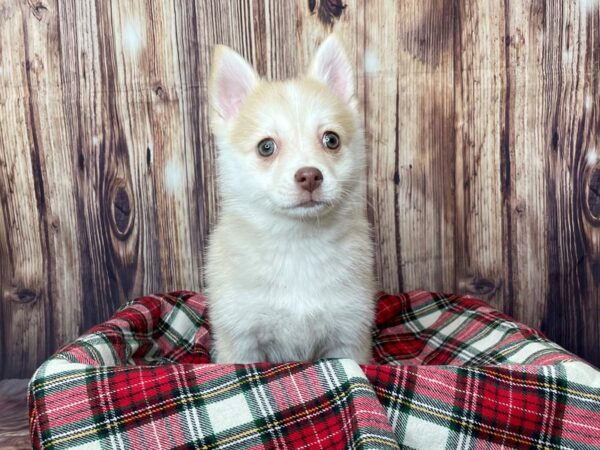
x: 288, y: 283
x: 332, y: 67
x: 235, y: 78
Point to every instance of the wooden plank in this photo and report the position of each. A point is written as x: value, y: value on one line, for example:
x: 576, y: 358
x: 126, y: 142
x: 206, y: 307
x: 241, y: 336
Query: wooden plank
x: 278, y: 51
x: 425, y: 204
x: 554, y: 77
x: 65, y: 290
x: 381, y: 126
x: 481, y: 263
x: 409, y: 55
x: 588, y: 171
x: 528, y: 105
x: 99, y: 154
x: 14, y: 426
x: 25, y: 337
x: 161, y: 158
x: 193, y: 44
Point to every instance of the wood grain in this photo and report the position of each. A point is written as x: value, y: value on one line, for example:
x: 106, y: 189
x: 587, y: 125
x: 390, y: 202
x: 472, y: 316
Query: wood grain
x: 381, y: 127
x: 424, y: 144
x: 14, y: 426
x: 481, y: 123
x: 24, y: 196
x: 482, y: 261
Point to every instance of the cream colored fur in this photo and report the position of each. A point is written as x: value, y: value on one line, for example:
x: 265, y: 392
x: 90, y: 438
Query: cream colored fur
x: 288, y: 282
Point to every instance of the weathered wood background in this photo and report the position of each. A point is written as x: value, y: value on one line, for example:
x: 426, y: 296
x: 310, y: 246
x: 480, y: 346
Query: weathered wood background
x: 482, y: 125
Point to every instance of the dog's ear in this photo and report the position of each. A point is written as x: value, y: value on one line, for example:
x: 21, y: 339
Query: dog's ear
x: 332, y: 67
x: 231, y: 80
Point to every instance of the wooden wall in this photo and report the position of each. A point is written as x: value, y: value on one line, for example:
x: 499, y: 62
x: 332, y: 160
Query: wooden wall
x: 482, y: 123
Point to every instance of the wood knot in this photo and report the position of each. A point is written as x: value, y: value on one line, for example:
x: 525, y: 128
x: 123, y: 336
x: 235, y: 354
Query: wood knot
x: 328, y: 10
x: 122, y: 218
x: 34, y: 65
x: 592, y: 201
x: 21, y: 295
x: 38, y: 9
x: 555, y: 140
x: 477, y: 286
x: 396, y: 178
x: 520, y: 207
x: 160, y: 92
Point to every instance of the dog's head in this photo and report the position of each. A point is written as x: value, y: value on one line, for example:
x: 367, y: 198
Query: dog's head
x: 288, y: 147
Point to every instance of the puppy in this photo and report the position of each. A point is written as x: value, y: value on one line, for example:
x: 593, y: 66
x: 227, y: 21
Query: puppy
x: 290, y: 263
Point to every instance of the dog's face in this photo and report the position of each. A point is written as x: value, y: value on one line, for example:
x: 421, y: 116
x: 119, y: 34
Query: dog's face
x: 292, y: 147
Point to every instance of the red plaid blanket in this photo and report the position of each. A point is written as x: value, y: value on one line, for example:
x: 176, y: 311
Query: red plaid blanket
x: 448, y: 372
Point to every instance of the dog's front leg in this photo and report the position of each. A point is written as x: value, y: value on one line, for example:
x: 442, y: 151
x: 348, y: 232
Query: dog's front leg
x: 242, y: 350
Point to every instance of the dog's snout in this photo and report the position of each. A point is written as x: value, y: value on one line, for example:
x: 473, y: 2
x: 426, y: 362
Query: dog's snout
x: 309, y: 178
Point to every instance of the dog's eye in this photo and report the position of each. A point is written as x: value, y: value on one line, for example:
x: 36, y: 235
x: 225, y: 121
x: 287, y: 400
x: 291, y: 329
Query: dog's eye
x: 331, y: 140
x: 266, y: 147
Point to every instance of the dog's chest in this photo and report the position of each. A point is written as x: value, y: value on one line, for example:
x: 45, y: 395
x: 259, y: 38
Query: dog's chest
x: 297, y: 292
x: 293, y: 298
x: 301, y: 266
x: 293, y: 331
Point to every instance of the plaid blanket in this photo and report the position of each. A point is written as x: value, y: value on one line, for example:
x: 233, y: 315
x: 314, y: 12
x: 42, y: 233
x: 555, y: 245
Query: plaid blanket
x: 448, y: 372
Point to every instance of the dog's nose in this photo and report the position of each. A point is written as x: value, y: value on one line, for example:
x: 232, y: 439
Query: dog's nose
x: 309, y: 178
